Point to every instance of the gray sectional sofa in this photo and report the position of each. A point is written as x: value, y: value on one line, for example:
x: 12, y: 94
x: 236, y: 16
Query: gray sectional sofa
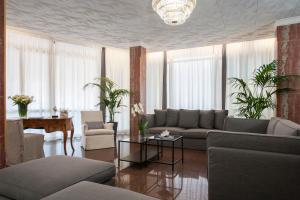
x: 254, y: 160
x: 62, y: 177
x: 193, y: 125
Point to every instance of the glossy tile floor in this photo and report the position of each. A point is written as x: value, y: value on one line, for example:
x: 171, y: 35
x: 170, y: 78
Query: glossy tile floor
x: 187, y: 182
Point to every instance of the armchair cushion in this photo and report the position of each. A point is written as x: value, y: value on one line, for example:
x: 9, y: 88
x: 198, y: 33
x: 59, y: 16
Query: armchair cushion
x: 207, y: 119
x: 99, y: 132
x: 94, y: 125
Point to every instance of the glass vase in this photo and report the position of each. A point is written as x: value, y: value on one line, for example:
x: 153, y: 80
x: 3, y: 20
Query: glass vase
x: 22, y: 109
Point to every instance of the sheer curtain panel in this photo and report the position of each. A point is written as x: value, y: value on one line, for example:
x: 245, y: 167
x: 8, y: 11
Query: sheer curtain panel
x: 117, y: 69
x: 242, y: 60
x: 194, y: 78
x: 28, y: 71
x: 74, y: 66
x: 155, y: 65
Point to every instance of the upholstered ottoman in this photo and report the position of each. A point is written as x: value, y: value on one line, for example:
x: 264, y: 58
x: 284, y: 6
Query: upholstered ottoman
x: 39, y: 178
x: 93, y: 191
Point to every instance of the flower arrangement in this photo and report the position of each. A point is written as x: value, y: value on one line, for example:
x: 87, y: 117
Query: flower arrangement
x: 22, y: 101
x: 137, y: 111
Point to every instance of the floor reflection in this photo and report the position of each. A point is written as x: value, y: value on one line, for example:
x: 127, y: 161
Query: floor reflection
x: 188, y: 181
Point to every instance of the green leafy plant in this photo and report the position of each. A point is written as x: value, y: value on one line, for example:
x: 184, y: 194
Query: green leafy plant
x: 257, y: 95
x: 113, y: 96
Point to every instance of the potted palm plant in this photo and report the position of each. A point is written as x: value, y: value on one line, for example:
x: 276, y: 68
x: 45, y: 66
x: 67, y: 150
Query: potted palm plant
x: 112, y: 97
x: 257, y: 95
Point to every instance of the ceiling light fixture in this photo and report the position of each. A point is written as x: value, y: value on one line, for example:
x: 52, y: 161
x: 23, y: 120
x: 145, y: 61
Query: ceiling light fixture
x: 174, y: 12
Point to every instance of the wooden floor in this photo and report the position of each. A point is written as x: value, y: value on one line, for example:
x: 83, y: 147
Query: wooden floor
x: 187, y: 182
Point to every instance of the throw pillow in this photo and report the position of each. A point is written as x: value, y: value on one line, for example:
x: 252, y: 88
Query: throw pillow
x: 94, y: 125
x: 286, y: 128
x: 271, y: 125
x: 220, y: 116
x: 172, y: 117
x: 188, y: 118
x: 207, y: 118
x: 160, y: 117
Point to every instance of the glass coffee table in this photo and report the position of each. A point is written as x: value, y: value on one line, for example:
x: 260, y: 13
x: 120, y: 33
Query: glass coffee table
x: 143, y: 153
x: 160, y: 148
x: 139, y: 154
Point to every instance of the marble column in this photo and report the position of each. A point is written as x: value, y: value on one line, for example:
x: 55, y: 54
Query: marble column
x: 288, y: 53
x: 137, y: 83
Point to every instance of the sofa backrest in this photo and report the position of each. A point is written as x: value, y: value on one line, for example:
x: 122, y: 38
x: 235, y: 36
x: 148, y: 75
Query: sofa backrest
x: 208, y: 119
x: 283, y: 127
x: 246, y: 125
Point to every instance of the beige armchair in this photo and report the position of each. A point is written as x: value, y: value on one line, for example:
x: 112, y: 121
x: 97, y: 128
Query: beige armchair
x: 96, y: 134
x: 21, y: 147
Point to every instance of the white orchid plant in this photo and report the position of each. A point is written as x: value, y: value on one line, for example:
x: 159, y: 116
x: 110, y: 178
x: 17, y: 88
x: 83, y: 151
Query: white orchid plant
x: 137, y: 110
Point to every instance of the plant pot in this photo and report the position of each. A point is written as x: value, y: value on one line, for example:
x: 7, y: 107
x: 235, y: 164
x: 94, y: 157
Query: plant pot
x: 22, y: 109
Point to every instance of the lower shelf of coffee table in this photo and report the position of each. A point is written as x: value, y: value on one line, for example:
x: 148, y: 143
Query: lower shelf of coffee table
x: 135, y: 156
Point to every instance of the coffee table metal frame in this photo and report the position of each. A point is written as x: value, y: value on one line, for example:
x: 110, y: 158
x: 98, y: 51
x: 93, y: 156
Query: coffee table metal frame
x: 160, y: 145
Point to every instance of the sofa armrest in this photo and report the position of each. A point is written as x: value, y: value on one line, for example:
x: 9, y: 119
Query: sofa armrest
x: 245, y: 125
x: 109, y: 126
x: 251, y: 141
x: 238, y: 174
x: 150, y: 118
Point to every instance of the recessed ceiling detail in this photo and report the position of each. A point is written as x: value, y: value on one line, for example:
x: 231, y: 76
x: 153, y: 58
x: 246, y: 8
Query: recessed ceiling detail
x: 125, y: 23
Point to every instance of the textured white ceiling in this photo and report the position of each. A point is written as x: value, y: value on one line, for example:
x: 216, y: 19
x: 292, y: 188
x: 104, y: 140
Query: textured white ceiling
x: 125, y: 23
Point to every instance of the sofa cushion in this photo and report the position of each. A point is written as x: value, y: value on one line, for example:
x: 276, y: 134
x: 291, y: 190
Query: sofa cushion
x: 286, y: 128
x: 220, y: 116
x: 188, y: 118
x: 172, y: 117
x: 94, y: 125
x: 207, y: 118
x: 39, y: 178
x: 160, y: 117
x: 94, y: 191
x: 158, y: 130
x: 197, y: 133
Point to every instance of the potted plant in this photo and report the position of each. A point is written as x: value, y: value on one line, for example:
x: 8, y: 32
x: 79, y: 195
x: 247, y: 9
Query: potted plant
x: 137, y: 111
x: 112, y: 98
x: 257, y: 95
x: 22, y: 101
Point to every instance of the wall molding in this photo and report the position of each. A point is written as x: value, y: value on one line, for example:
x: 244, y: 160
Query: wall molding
x: 287, y: 21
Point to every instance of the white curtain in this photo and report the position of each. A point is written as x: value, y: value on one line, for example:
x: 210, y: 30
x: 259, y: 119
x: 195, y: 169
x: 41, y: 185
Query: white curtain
x: 242, y: 61
x: 75, y: 66
x: 53, y: 73
x: 28, y: 70
x: 194, y: 78
x: 117, y: 69
x: 154, y: 81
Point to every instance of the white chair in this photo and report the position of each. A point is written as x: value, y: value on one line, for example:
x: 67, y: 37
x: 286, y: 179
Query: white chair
x: 96, y: 134
x: 21, y: 147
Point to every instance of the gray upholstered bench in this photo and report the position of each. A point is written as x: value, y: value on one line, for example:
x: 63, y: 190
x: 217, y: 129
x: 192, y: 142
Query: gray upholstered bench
x: 93, y: 191
x: 39, y: 178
